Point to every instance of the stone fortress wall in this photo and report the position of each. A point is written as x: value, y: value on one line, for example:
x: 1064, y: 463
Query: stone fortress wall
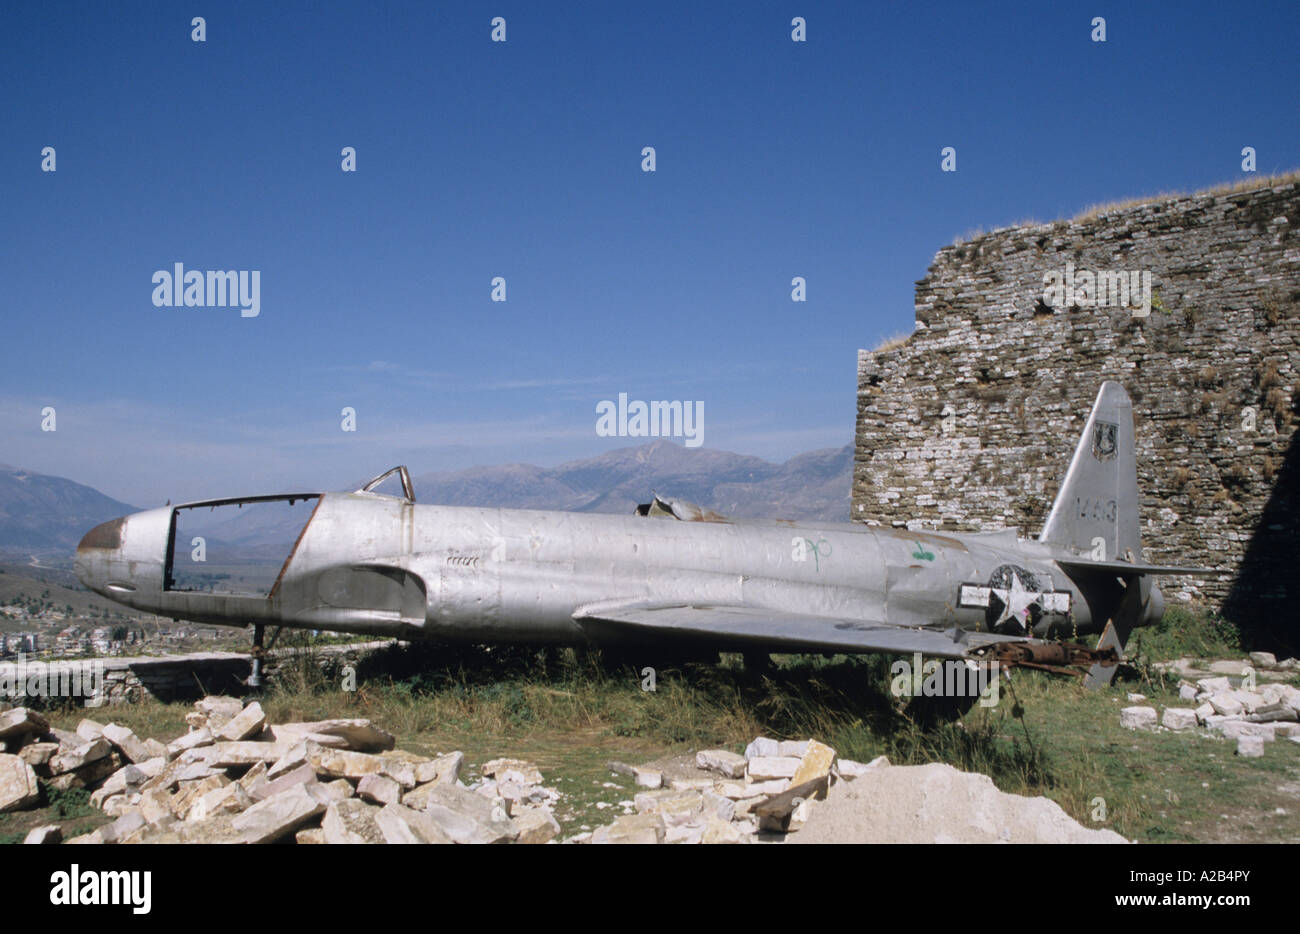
x: 969, y: 424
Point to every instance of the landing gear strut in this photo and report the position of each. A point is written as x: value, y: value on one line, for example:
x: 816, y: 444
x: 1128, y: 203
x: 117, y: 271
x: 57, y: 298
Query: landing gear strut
x: 255, y: 680
x: 255, y: 676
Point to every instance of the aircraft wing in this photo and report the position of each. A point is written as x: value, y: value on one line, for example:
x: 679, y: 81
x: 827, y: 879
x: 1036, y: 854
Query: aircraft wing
x: 776, y: 631
x: 1129, y: 569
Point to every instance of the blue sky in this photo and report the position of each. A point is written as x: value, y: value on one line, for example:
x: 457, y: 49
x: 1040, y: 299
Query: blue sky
x: 522, y: 159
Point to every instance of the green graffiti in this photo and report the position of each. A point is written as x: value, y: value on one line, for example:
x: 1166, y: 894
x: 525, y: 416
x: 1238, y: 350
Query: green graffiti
x: 921, y: 554
x: 820, y: 549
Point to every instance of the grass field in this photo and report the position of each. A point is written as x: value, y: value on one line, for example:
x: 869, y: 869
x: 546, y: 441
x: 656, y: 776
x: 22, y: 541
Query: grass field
x: 1047, y: 735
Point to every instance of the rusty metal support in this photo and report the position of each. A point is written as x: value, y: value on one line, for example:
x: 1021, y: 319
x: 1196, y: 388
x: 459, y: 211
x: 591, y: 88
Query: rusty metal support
x: 1056, y: 657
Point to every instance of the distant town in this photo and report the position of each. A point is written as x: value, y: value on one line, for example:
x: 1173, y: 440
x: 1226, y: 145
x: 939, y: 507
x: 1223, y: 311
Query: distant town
x: 58, y: 632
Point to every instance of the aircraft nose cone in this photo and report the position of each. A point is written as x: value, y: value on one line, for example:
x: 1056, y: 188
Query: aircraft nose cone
x: 105, y: 535
x: 94, y: 547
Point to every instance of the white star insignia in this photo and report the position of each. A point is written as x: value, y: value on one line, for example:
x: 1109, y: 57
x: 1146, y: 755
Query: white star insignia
x: 1016, y: 601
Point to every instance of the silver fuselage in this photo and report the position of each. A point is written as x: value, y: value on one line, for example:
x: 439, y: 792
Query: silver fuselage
x: 382, y: 565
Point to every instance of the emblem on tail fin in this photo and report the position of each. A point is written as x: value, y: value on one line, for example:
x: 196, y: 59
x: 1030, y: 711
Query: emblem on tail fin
x: 1105, y: 440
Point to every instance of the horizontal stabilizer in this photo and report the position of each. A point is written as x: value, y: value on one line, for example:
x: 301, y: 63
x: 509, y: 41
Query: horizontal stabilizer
x: 1129, y: 569
x: 776, y: 631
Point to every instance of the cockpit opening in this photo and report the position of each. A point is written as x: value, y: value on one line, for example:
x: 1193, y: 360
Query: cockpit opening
x: 235, y: 546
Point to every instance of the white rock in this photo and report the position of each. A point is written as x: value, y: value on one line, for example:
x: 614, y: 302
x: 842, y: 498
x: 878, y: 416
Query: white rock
x: 762, y: 746
x: 21, y: 722
x: 281, y: 815
x: 1178, y: 718
x: 1225, y: 705
x: 1138, y: 718
x: 88, y: 752
x: 1235, y: 729
x: 535, y: 826
x: 89, y: 730
x: 380, y: 789
x: 401, y: 824
x: 675, y: 807
x: 719, y: 831
x: 244, y: 725
x: 691, y: 784
x: 228, y: 754
x: 649, y: 778
x: 632, y: 828
x: 719, y: 806
x: 356, y: 734
x: 739, y: 791
x: 120, y: 804
x: 465, y: 816
x: 191, y: 740
x: 847, y: 768
x: 1136, y: 698
x: 129, y: 776
x: 721, y: 761
x: 1214, y: 685
x: 341, y: 763
x: 526, y: 772
x: 1249, y: 700
x: 1263, y: 659
x: 126, y: 824
x: 1204, y: 711
x: 125, y: 740
x: 1250, y: 747
x: 791, y: 747
x: 1187, y: 692
x: 228, y: 799
x: 352, y: 821
x: 763, y: 768
x: 338, y: 790
x: 18, y: 788
x: 689, y: 834
x: 46, y: 833
x: 400, y: 771
x: 38, y: 753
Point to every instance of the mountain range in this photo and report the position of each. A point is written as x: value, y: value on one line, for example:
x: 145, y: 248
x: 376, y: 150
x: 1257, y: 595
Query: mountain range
x: 41, y: 514
x: 44, y: 514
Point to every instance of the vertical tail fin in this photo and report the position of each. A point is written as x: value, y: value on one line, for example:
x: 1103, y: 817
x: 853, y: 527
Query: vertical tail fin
x: 1096, y: 510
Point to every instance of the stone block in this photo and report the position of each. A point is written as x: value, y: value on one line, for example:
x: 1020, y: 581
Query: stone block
x: 281, y: 815
x: 351, y: 821
x: 1178, y: 718
x: 18, y: 788
x: 1138, y: 718
x: 765, y: 768
x: 20, y: 721
x: 244, y: 725
x: 380, y: 789
x: 721, y: 761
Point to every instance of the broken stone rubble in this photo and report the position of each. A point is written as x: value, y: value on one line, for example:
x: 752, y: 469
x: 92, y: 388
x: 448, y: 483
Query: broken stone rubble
x: 750, y: 807
x: 234, y: 778
x: 1230, y: 704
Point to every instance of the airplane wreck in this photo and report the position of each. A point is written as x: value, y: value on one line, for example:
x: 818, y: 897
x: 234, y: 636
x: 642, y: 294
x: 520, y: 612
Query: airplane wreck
x: 672, y: 574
